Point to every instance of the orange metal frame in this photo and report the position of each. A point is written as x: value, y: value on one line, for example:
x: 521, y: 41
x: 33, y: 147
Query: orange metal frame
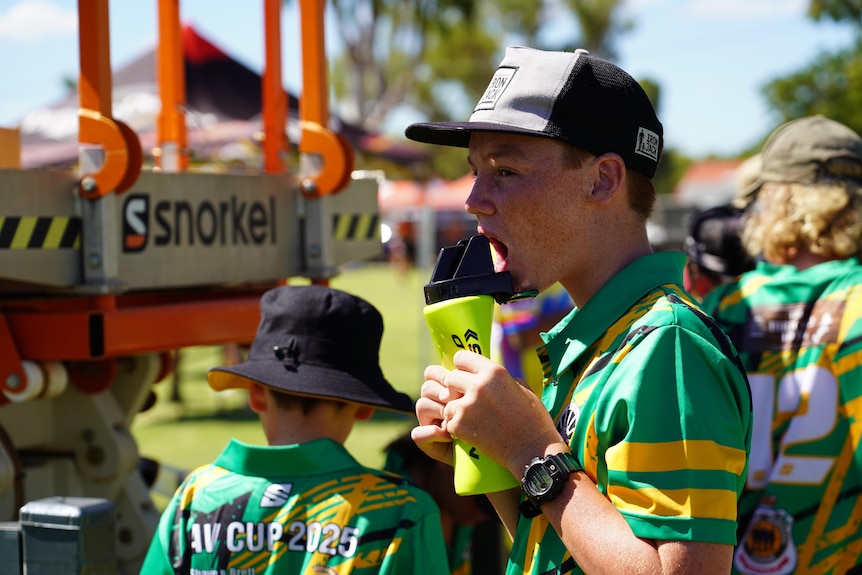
x: 314, y: 107
x: 274, y: 99
x: 122, y: 148
x: 171, y: 77
x: 101, y: 328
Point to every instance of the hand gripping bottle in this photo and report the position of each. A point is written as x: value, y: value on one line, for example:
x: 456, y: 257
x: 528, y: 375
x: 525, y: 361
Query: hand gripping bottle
x: 459, y: 312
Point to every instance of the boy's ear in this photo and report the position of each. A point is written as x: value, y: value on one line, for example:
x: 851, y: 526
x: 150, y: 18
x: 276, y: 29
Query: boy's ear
x: 364, y: 412
x: 257, y: 399
x: 609, y: 177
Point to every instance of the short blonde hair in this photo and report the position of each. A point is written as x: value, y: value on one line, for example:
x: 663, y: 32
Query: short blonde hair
x: 824, y: 219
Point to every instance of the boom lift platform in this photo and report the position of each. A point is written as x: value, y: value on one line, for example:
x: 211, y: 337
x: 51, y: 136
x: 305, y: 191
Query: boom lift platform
x: 105, y: 270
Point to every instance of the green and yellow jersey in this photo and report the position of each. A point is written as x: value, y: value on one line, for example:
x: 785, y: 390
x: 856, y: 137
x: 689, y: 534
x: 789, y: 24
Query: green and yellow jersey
x: 649, y: 394
x: 799, y: 334
x: 304, y: 509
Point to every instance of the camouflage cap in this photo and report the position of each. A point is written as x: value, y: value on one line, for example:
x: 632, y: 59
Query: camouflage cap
x: 811, y: 150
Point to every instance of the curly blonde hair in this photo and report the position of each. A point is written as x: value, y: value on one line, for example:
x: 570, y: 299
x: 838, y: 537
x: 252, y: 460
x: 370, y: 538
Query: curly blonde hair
x: 824, y: 219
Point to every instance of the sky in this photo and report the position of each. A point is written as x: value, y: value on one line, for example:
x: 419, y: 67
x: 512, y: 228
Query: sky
x: 711, y: 58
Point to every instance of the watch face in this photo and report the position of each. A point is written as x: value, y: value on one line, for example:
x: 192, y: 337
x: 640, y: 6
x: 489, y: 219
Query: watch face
x: 538, y: 481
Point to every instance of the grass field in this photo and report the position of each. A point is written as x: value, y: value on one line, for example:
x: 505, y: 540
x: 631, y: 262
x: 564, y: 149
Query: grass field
x: 192, y: 432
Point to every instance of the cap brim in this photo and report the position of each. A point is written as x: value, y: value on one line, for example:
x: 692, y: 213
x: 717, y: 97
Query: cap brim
x: 312, y: 381
x: 458, y: 133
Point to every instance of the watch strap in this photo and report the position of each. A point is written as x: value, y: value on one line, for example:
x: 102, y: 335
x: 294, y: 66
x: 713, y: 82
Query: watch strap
x: 566, y: 464
x: 529, y: 509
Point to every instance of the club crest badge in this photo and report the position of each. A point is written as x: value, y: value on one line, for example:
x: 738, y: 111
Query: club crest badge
x: 767, y: 547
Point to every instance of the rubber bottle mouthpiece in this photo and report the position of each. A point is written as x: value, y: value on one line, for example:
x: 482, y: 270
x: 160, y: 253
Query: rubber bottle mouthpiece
x: 467, y: 269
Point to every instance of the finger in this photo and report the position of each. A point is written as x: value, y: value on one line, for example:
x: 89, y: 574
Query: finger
x: 471, y: 361
x: 457, y: 384
x: 424, y: 434
x: 435, y: 442
x: 429, y: 412
x: 432, y: 389
x: 451, y: 389
x: 436, y: 372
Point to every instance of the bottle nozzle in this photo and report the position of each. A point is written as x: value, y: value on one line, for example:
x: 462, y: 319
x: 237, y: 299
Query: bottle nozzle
x: 466, y: 269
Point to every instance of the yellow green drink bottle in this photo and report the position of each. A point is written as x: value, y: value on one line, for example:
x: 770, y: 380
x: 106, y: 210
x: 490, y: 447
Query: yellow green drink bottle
x: 459, y: 313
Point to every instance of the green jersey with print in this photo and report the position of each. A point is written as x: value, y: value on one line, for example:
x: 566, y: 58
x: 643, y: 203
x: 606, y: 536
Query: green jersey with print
x: 303, y: 509
x: 799, y: 334
x: 649, y: 394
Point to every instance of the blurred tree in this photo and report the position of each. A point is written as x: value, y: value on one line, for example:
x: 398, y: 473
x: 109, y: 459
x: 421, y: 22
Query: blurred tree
x: 434, y: 57
x: 831, y: 84
x: 848, y: 11
x: 601, y: 25
x: 70, y: 84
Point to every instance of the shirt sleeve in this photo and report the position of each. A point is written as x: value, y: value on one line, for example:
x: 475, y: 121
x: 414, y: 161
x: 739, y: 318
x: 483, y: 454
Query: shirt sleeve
x: 676, y: 428
x: 156, y: 561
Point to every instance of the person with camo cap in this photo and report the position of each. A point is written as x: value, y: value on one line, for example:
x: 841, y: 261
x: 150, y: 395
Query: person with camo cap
x: 796, y: 320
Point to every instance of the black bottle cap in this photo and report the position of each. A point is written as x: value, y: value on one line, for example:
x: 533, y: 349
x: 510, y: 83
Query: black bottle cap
x: 467, y: 269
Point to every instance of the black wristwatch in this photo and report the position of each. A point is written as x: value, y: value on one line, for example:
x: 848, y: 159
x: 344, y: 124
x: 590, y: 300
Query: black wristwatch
x: 544, y: 479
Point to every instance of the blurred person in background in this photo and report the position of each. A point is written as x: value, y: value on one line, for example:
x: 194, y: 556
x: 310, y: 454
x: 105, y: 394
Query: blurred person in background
x: 517, y: 328
x: 796, y: 320
x: 459, y: 514
x: 714, y: 250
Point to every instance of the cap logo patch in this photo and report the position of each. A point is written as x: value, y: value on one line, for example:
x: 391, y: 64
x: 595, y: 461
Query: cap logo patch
x: 502, y: 78
x: 647, y: 144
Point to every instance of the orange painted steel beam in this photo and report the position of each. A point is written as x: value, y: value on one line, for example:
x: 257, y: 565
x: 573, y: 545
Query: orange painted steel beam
x: 335, y: 151
x: 94, y: 85
x: 314, y: 104
x: 122, y: 148
x: 78, y: 332
x: 274, y: 98
x: 171, y: 74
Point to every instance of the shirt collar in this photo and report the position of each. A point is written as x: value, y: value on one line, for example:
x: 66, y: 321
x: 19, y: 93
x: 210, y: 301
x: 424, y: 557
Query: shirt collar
x: 322, y: 455
x: 582, y: 327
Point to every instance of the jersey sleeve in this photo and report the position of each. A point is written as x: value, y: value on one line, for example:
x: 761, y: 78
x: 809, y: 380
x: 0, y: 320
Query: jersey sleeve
x: 156, y: 561
x: 676, y: 427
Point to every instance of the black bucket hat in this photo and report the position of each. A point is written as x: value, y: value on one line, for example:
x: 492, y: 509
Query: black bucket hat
x: 316, y: 341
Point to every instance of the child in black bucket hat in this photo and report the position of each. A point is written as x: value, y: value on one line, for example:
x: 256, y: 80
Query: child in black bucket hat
x: 303, y: 503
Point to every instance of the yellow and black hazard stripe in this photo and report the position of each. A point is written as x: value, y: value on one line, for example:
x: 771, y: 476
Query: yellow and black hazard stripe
x: 39, y: 233
x: 348, y: 227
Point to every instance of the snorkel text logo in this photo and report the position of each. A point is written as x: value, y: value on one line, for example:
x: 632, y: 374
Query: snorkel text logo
x: 231, y: 222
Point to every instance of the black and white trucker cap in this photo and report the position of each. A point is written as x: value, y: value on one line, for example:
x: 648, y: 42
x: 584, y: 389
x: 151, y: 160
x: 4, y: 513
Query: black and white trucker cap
x: 569, y: 96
